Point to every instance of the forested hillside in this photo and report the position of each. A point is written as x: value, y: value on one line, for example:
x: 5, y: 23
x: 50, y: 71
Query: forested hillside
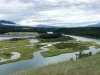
x: 83, y: 31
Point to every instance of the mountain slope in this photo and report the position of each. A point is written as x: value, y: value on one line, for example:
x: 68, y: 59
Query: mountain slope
x: 94, y: 25
x: 5, y: 22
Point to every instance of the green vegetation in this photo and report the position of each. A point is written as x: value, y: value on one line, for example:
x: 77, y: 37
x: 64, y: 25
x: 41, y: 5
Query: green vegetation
x: 84, y: 66
x: 83, y: 31
x: 69, y: 46
x: 59, y: 39
x: 26, y: 49
x: 22, y: 46
x: 10, y: 43
x: 5, y: 55
x: 49, y: 36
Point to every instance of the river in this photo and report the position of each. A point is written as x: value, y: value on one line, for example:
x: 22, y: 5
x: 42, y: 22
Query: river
x: 39, y: 60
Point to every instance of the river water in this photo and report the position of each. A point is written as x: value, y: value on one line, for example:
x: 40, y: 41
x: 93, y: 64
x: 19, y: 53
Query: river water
x: 39, y: 60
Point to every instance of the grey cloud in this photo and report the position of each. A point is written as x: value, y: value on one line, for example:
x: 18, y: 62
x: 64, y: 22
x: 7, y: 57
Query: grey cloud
x: 45, y: 6
x: 33, y: 11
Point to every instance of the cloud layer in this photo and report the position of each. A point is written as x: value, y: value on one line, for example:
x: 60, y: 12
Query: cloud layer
x: 51, y: 12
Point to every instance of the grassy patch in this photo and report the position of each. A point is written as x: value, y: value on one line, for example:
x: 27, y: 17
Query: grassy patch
x: 84, y: 66
x: 68, y: 47
x: 22, y: 46
x: 5, y: 55
x: 9, y: 43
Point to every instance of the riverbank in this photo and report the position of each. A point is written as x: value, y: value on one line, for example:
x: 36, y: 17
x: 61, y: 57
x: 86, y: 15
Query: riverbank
x: 84, y: 66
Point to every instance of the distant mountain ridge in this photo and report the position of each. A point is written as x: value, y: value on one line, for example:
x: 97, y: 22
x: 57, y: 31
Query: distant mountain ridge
x: 5, y: 22
x: 94, y: 25
x: 47, y: 26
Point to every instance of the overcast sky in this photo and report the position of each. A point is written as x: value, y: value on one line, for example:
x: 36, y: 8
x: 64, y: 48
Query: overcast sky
x: 51, y: 12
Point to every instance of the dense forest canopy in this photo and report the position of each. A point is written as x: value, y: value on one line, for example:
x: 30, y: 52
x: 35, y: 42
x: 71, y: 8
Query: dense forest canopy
x: 83, y: 31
